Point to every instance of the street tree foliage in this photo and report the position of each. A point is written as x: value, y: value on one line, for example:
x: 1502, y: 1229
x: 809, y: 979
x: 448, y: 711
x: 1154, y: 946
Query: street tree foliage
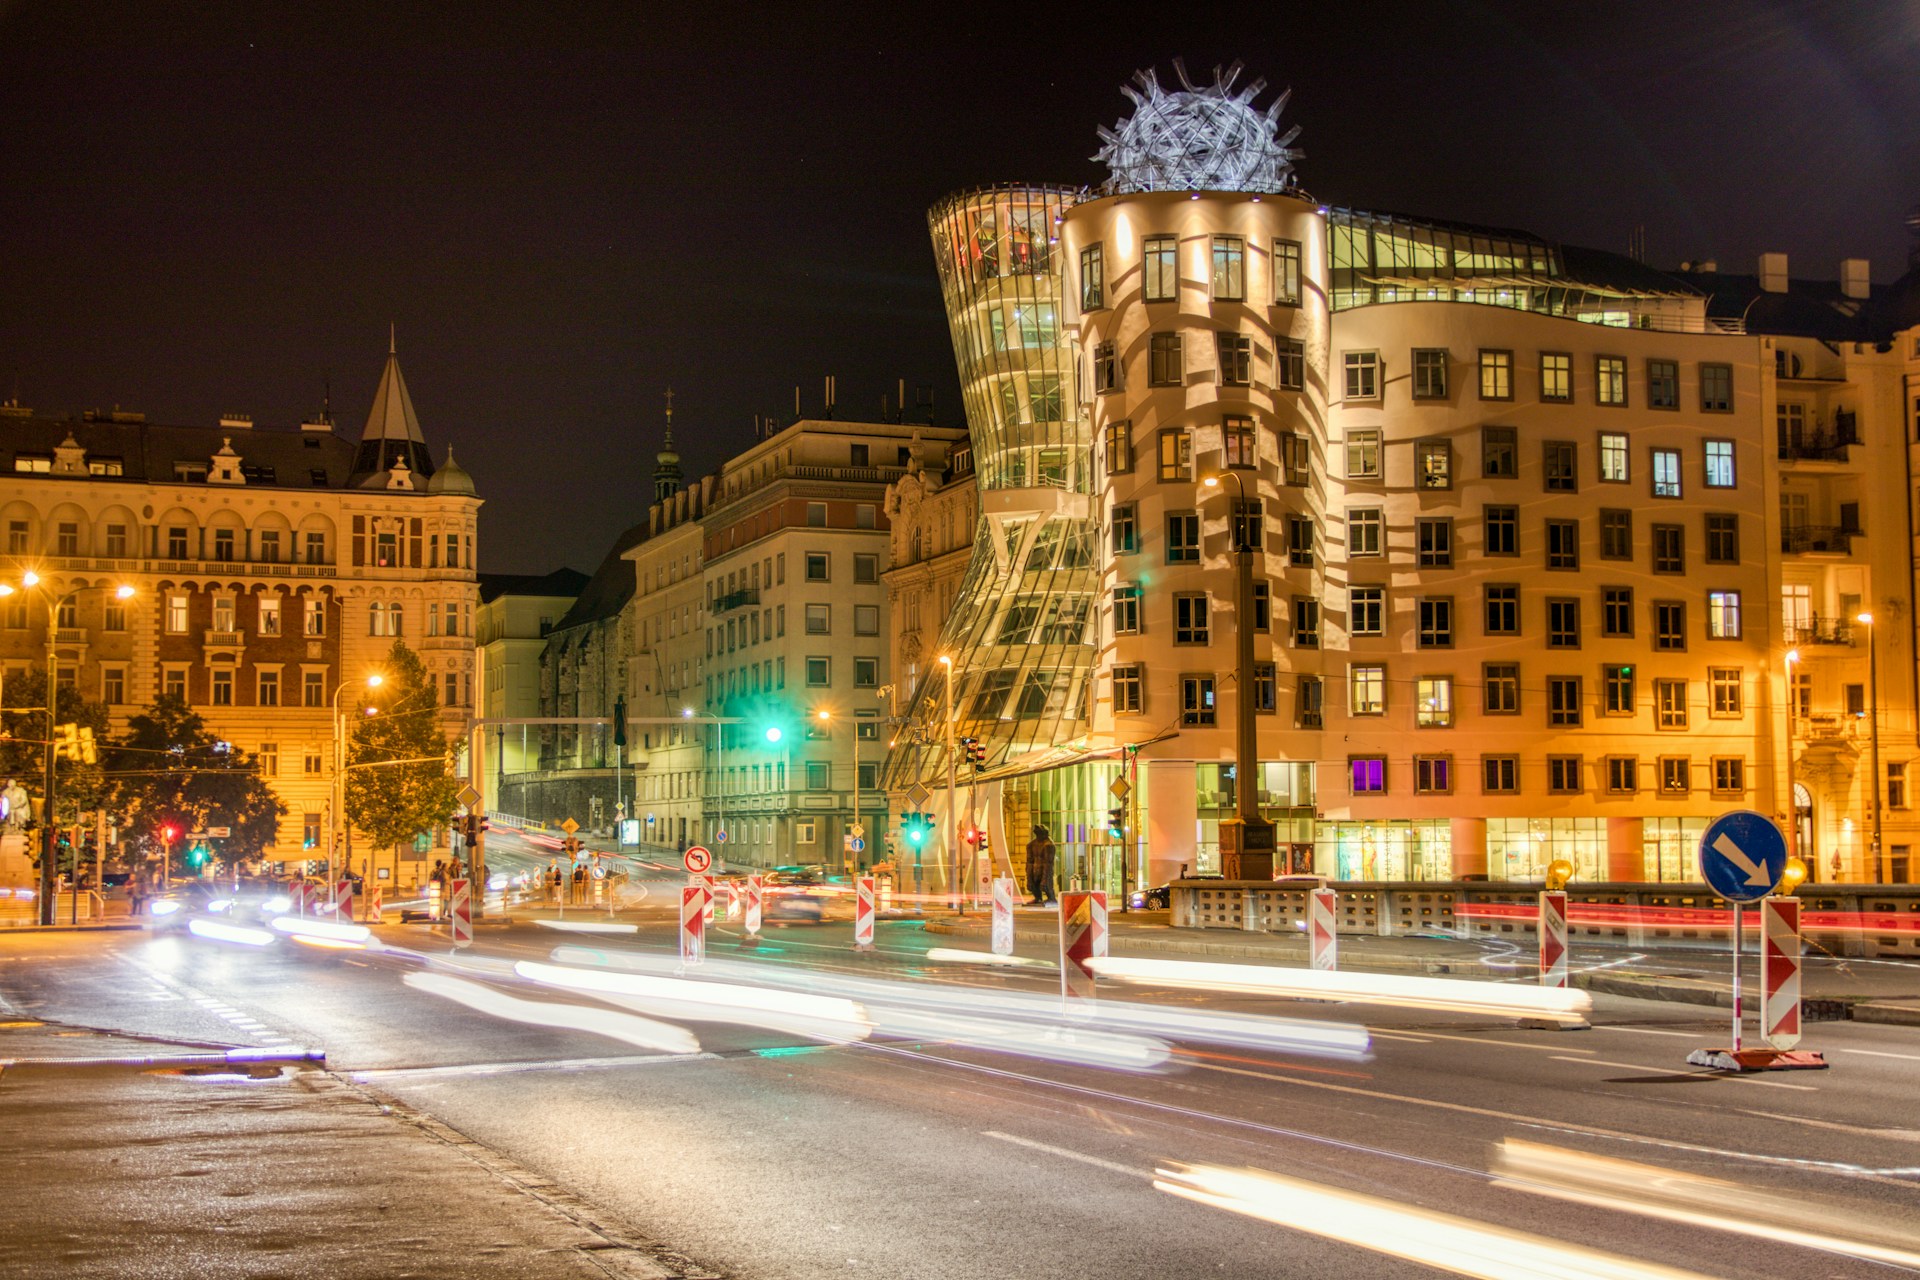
x: 79, y: 787
x: 399, y: 768
x: 170, y: 770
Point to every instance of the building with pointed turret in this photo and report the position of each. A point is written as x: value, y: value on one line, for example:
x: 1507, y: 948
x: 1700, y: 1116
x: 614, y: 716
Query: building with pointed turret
x: 269, y: 567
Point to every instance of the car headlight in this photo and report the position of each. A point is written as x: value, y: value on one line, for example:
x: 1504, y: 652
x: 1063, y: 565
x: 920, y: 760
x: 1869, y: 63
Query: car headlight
x: 165, y: 907
x: 278, y: 903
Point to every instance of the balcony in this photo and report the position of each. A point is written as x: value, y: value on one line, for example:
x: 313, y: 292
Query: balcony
x: 1827, y: 728
x: 70, y: 635
x: 224, y: 639
x: 1818, y: 630
x: 736, y: 599
x: 1820, y: 444
x: 1817, y: 539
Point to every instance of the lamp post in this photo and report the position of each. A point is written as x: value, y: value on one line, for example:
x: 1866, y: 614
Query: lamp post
x: 1246, y: 839
x: 853, y: 829
x: 31, y: 580
x: 1873, y: 737
x: 951, y: 832
x: 1793, y: 802
x: 339, y: 798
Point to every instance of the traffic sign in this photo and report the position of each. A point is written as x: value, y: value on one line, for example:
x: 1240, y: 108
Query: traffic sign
x: 697, y: 859
x: 1742, y: 855
x: 219, y: 833
x: 468, y: 797
x: 1120, y: 788
x: 918, y: 795
x: 859, y: 845
x: 720, y: 836
x: 856, y: 831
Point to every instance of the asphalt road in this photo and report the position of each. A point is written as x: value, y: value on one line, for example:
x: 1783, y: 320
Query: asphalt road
x: 923, y: 1151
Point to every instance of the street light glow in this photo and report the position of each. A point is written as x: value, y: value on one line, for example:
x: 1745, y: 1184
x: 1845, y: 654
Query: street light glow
x: 124, y: 591
x: 31, y: 578
x: 1865, y: 619
x: 375, y: 680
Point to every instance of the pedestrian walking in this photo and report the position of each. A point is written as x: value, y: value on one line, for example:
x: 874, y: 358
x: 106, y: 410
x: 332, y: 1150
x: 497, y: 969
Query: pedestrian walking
x: 1040, y: 868
x: 440, y: 885
x: 140, y: 888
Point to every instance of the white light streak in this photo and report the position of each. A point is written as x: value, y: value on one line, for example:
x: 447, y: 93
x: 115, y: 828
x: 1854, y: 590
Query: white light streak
x: 298, y: 928
x: 611, y: 1023
x: 220, y: 931
x: 816, y: 1017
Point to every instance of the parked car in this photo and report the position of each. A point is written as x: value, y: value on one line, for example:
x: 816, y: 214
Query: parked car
x: 795, y: 894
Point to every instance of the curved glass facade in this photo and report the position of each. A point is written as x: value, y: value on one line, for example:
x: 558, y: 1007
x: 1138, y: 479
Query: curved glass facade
x: 1021, y: 631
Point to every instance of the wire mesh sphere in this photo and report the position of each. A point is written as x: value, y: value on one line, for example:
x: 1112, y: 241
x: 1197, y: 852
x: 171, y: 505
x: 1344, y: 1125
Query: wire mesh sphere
x: 1198, y: 137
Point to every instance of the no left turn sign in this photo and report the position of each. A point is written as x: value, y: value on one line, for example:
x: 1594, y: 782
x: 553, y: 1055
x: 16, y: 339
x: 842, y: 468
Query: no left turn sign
x: 696, y: 860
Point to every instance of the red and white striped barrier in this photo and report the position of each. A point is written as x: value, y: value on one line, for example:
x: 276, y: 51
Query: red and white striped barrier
x: 297, y: 898
x: 460, y: 915
x: 1323, y: 934
x: 694, y: 901
x: 863, y: 914
x: 1003, y: 894
x: 755, y: 890
x: 706, y: 884
x: 1083, y: 937
x: 1780, y: 970
x: 374, y: 913
x: 1553, y: 938
x: 343, y: 901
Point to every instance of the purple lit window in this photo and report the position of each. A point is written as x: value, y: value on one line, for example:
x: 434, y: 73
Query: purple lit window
x: 1368, y: 774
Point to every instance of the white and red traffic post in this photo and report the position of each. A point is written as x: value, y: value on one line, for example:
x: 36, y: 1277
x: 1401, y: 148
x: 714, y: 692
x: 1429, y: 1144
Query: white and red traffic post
x: 343, y: 900
x: 1083, y: 937
x: 1003, y: 894
x: 863, y: 914
x: 1323, y: 933
x: 1553, y: 938
x: 297, y: 898
x: 755, y: 889
x: 706, y: 886
x: 461, y: 914
x: 1780, y: 970
x: 694, y: 899
x: 375, y: 912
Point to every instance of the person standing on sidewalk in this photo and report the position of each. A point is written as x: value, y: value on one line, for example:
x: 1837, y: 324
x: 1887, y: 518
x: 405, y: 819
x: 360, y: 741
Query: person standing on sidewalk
x: 1040, y: 868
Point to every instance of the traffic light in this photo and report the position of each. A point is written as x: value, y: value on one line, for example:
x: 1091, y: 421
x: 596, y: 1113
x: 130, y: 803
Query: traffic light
x: 973, y: 751
x: 88, y: 754
x: 66, y: 739
x: 571, y: 846
x: 974, y: 835
x: 476, y: 826
x: 917, y: 827
x: 1117, y: 822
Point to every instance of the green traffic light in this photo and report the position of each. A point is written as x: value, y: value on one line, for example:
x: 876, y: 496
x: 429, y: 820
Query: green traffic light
x: 773, y: 733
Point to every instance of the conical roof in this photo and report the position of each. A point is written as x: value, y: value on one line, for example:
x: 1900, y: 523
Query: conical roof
x: 393, y: 429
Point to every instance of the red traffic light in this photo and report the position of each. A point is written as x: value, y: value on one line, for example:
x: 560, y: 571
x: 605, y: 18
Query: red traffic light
x: 973, y: 835
x: 168, y: 834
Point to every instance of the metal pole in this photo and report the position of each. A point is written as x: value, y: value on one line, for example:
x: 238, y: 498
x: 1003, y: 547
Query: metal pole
x: 1873, y: 737
x: 1793, y: 803
x: 1737, y: 1013
x: 47, y: 781
x: 951, y: 834
x: 856, y: 788
x: 1245, y: 738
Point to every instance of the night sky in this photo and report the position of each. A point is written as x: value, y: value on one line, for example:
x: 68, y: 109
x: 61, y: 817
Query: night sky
x: 565, y: 209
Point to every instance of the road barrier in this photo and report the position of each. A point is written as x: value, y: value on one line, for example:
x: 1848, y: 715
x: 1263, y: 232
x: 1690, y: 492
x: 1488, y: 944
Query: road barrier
x: 1552, y: 929
x: 695, y: 899
x: 343, y: 900
x: 1004, y: 890
x: 1323, y: 936
x: 756, y: 890
x: 1083, y: 937
x: 1780, y: 970
x: 863, y: 914
x: 460, y: 913
x: 374, y: 913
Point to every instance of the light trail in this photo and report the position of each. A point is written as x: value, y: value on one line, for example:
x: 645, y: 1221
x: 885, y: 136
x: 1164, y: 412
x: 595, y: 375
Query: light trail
x: 296, y: 927
x: 794, y: 1013
x: 611, y: 1023
x: 221, y: 931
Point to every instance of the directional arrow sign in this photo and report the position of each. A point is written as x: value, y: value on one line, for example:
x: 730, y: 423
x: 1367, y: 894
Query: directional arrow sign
x: 1742, y: 855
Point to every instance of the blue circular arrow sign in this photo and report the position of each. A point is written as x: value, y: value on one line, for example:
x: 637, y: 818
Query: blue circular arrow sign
x: 1742, y: 855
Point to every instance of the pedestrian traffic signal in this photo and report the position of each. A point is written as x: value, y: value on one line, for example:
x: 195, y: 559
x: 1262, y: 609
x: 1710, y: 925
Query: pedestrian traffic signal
x: 974, y: 835
x: 1117, y: 822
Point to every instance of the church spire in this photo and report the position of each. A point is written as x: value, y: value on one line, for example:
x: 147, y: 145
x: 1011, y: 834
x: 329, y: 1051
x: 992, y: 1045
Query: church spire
x: 393, y: 429
x: 666, y: 469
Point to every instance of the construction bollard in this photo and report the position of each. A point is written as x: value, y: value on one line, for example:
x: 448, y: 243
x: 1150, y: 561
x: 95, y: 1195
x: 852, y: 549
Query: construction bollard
x: 1553, y: 938
x: 1004, y: 890
x: 754, y: 891
x: 375, y: 914
x: 343, y: 901
x: 863, y: 914
x: 1083, y: 937
x: 1780, y: 970
x: 1323, y: 934
x: 694, y: 900
x: 461, y: 914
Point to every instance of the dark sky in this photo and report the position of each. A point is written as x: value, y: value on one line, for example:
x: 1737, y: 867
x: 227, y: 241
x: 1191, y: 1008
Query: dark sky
x: 567, y: 208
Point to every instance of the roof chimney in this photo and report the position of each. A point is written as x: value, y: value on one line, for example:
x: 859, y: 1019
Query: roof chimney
x: 1853, y: 278
x: 1773, y: 272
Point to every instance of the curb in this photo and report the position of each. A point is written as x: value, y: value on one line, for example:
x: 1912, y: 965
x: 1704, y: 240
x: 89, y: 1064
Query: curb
x: 20, y: 929
x: 174, y: 1061
x: 1899, y: 1015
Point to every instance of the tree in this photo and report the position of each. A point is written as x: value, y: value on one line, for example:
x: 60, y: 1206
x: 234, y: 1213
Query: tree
x: 171, y: 771
x: 78, y: 786
x: 399, y: 769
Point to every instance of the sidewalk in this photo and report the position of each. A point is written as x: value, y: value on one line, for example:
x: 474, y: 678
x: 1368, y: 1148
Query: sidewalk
x: 300, y: 1174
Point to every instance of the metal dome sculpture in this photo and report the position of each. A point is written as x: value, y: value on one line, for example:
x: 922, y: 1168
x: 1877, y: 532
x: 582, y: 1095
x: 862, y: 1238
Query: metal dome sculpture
x: 1199, y: 138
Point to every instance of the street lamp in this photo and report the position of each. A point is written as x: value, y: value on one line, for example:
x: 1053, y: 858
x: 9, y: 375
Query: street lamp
x: 1246, y: 839
x: 30, y: 580
x: 825, y: 716
x: 339, y: 799
x: 1873, y: 735
x: 947, y: 835
x: 1793, y: 803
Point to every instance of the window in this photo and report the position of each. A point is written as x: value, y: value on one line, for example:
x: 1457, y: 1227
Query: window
x: 1563, y: 544
x: 1183, y: 537
x: 1503, y: 610
x: 817, y: 566
x: 115, y: 616
x: 817, y: 515
x: 1502, y: 530
x: 1723, y: 615
x: 1363, y: 455
x: 66, y: 540
x: 1362, y: 374
x: 1160, y: 269
x: 1562, y: 467
x: 1265, y: 688
x: 1236, y: 359
x: 1663, y: 384
x: 1289, y: 364
x: 1499, y: 775
x: 383, y: 619
x: 1500, y: 687
x: 1093, y: 278
x: 1236, y: 437
x: 1669, y: 625
x: 1436, y: 622
x: 866, y: 569
x: 1670, y: 704
x: 313, y: 689
x: 1432, y: 775
x: 1616, y: 612
x: 1366, y: 690
x: 1366, y: 609
x: 1499, y: 453
x: 269, y: 616
x: 1432, y: 464
x: 173, y: 682
x: 1307, y: 702
x: 36, y: 463
x: 117, y: 540
x: 866, y: 619
x: 1563, y: 623
x: 1729, y: 775
x: 1176, y: 454
x: 1190, y: 618
x: 1719, y: 464
x: 1617, y: 689
x: 269, y: 688
x: 1286, y: 273
x: 1556, y: 376
x: 1623, y: 775
x: 1249, y: 524
x: 1106, y: 365
x: 1616, y: 534
x: 223, y: 688
x: 1124, y: 536
x: 1367, y: 775
x: 1675, y: 775
x: 1496, y: 375
x: 386, y: 549
x: 1128, y: 698
x: 1229, y: 269
x: 866, y: 673
x: 176, y: 615
x: 316, y: 548
x: 1166, y: 364
x: 1896, y: 785
x: 113, y: 685
x: 819, y: 775
x: 1306, y: 622
x: 819, y: 672
x: 1196, y: 700
x: 1563, y: 775
x: 1433, y: 701
x: 1364, y: 531
x: 1723, y: 691
x: 1716, y: 388
x: 1666, y: 473
x: 1613, y: 458
x: 176, y: 543
x: 1669, y: 548
x: 1126, y: 611
x: 1299, y: 540
x: 819, y: 619
x: 1435, y: 539
x: 1563, y: 701
x: 1723, y: 538
x: 1430, y: 373
x: 1610, y: 380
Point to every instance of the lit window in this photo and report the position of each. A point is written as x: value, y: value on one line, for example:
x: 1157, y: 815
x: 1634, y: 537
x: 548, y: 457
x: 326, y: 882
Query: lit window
x: 1433, y: 464
x: 1610, y: 380
x: 176, y: 615
x: 1433, y: 697
x: 1723, y: 615
x: 1363, y: 455
x: 1238, y: 440
x: 1666, y: 473
x: 1496, y: 375
x: 1160, y: 269
x: 1176, y: 454
x: 1093, y: 278
x: 1556, y: 376
x: 1366, y: 690
x: 1229, y: 269
x: 1613, y: 457
x: 1720, y: 464
x: 1367, y: 775
x: 1362, y: 375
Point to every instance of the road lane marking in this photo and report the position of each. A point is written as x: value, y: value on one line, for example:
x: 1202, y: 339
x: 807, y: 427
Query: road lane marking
x: 1875, y: 1053
x: 1649, y: 1031
x: 1065, y: 1154
x: 1891, y: 1135
x: 1511, y: 1044
x: 1641, y: 1066
x: 1397, y: 1035
x: 545, y: 1064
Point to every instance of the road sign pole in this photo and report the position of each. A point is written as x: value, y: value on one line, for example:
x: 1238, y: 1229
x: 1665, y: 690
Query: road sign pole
x: 1738, y: 1013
